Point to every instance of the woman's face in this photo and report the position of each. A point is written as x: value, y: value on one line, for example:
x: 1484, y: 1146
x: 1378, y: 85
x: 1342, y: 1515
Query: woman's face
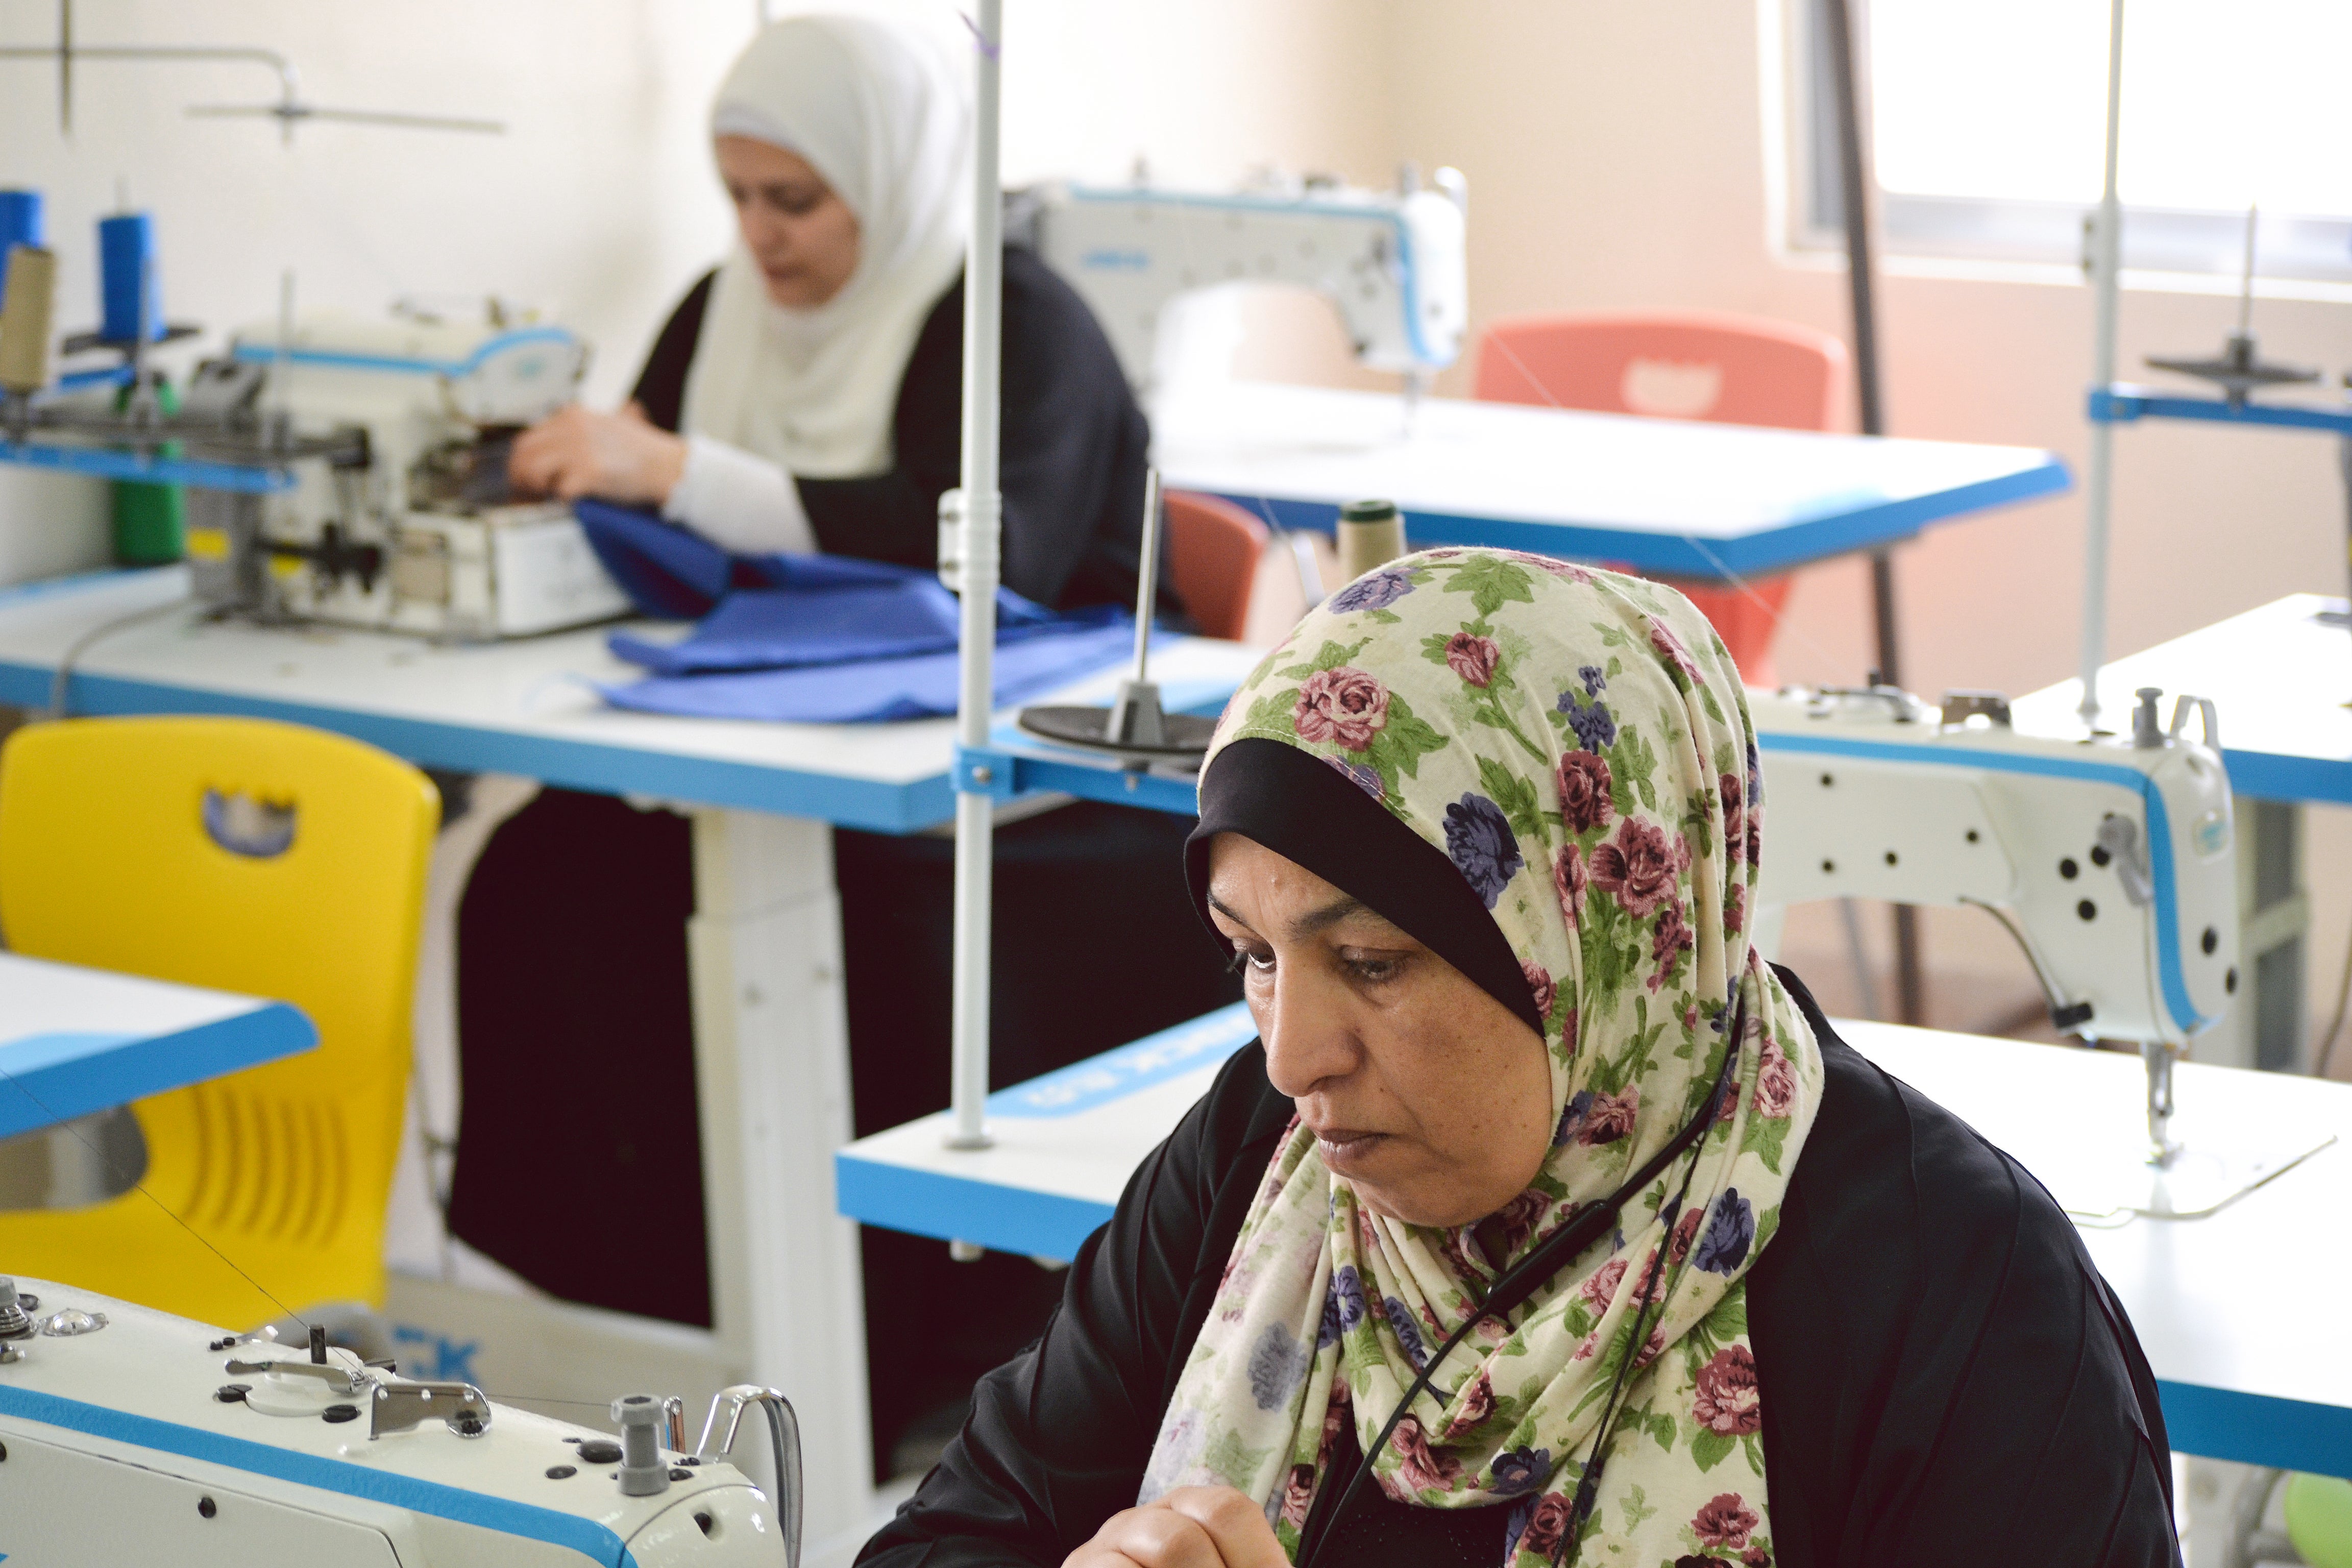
x: 803, y: 237
x: 1431, y: 1097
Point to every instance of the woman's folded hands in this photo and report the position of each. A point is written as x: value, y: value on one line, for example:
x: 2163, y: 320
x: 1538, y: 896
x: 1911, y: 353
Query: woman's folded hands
x: 1191, y: 1527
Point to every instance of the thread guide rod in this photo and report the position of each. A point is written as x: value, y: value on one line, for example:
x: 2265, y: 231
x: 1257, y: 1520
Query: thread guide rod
x: 983, y: 521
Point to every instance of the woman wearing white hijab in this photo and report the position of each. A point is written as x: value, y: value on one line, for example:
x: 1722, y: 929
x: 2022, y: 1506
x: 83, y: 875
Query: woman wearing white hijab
x: 807, y: 394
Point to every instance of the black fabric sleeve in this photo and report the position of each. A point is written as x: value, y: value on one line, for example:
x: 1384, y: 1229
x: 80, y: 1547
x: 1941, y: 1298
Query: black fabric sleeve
x: 1073, y: 451
x: 1058, y: 1437
x: 1944, y: 1376
x: 661, y: 384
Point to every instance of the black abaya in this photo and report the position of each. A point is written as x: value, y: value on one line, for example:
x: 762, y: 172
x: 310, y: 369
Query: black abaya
x: 1944, y: 1377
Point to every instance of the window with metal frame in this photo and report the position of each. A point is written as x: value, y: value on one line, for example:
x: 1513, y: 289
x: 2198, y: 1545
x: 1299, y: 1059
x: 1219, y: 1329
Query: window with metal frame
x: 1987, y: 127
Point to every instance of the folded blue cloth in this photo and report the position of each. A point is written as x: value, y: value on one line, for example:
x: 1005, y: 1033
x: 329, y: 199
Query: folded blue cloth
x: 778, y: 629
x: 884, y: 690
x: 819, y: 638
x: 673, y: 574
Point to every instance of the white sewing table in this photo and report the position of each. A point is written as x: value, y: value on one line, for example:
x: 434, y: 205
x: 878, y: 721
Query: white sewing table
x: 771, y: 1044
x: 2280, y: 679
x: 1669, y: 497
x: 2229, y: 1309
x: 76, y: 1040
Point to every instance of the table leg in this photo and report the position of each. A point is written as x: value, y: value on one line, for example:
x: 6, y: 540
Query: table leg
x: 2264, y: 1027
x: 772, y: 1070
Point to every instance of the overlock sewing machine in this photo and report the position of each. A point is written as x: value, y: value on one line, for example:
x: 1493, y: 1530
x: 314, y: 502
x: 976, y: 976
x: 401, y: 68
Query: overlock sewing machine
x: 408, y: 524
x: 355, y: 473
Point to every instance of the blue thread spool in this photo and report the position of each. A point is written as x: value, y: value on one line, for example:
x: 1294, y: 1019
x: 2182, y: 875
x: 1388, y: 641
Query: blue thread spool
x: 20, y: 223
x: 126, y: 259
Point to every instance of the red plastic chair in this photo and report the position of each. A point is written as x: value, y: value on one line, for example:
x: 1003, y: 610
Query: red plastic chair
x: 1213, y: 552
x: 1733, y: 370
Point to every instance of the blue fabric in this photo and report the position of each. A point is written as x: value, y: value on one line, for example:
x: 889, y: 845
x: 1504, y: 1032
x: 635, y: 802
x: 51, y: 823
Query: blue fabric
x: 665, y: 571
x: 884, y: 690
x: 777, y: 628
x: 672, y: 574
x: 819, y: 638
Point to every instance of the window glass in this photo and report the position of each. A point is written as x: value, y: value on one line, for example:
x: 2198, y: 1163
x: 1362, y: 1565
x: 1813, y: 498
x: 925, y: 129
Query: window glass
x: 2224, y: 104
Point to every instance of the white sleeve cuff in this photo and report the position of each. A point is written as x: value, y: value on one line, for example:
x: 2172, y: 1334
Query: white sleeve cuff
x: 738, y: 503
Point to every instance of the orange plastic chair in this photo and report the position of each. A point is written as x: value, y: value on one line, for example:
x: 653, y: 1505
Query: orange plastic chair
x: 1733, y: 370
x: 246, y: 856
x: 1213, y: 552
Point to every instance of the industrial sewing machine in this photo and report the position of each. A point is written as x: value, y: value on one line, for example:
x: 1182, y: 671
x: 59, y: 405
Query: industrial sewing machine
x: 2112, y: 861
x: 1390, y: 262
x: 130, y: 1437
x: 410, y: 527
x: 2109, y: 862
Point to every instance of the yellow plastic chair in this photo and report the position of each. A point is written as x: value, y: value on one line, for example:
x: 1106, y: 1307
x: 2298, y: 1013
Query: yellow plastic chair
x: 250, y: 857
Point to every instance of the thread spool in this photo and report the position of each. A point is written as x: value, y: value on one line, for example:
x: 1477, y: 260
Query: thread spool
x: 127, y: 281
x: 27, y: 310
x: 1371, y: 535
x: 20, y: 223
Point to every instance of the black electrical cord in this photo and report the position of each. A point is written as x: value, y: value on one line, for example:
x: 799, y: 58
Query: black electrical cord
x: 1522, y: 1280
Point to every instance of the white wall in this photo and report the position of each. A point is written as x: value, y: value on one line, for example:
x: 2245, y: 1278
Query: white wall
x: 598, y: 200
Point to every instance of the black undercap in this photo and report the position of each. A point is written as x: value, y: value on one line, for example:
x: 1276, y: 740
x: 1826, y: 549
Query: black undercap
x: 1301, y: 807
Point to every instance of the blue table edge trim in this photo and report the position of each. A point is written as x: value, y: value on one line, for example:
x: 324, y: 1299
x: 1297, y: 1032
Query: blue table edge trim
x: 2123, y: 404
x: 585, y: 1536
x: 151, y: 1064
x: 570, y: 763
x: 1770, y: 548
x: 2257, y: 1428
x: 960, y: 1208
x: 2268, y: 776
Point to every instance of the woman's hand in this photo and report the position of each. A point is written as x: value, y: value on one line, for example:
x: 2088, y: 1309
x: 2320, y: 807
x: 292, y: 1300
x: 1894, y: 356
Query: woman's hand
x: 613, y: 457
x: 1191, y: 1527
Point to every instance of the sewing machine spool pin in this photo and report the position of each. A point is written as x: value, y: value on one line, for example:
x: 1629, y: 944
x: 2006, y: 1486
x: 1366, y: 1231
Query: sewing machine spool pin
x: 1135, y: 724
x: 2239, y: 370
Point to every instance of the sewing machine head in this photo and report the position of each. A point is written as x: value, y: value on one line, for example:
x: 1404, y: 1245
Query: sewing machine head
x: 409, y: 527
x: 2111, y: 859
x: 125, y: 1433
x: 1390, y: 262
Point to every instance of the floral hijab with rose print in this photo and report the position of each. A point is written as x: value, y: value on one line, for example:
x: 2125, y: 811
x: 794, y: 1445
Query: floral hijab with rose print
x: 1578, y: 744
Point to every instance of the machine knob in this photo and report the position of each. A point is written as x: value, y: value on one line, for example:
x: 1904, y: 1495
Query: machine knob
x: 16, y: 1322
x: 644, y: 1471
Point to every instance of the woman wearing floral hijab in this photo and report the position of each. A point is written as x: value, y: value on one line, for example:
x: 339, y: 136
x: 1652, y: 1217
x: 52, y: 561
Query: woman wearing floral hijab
x: 1542, y: 1187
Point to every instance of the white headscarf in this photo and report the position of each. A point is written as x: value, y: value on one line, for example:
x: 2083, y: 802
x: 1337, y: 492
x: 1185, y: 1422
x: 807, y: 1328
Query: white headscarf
x: 885, y: 117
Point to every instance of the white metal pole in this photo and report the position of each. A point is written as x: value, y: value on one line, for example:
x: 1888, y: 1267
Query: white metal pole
x: 1147, y: 588
x: 2106, y: 276
x: 983, y: 506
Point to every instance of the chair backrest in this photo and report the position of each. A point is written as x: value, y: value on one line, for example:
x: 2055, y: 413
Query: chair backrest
x: 1212, y: 552
x: 1733, y: 370
x: 252, y: 857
